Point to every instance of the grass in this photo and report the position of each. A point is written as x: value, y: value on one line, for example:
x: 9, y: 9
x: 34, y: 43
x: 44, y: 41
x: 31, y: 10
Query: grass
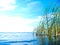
x: 52, y: 26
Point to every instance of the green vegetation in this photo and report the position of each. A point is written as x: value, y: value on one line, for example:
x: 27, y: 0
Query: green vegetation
x: 51, y: 24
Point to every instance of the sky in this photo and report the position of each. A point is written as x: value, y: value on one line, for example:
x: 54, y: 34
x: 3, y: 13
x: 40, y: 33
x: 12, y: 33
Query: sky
x: 22, y: 15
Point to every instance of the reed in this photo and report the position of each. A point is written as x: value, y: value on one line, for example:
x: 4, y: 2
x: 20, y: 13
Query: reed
x: 50, y: 25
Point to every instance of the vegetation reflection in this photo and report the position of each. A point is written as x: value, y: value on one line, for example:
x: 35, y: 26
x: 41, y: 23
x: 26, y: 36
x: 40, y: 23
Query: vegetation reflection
x: 50, y: 25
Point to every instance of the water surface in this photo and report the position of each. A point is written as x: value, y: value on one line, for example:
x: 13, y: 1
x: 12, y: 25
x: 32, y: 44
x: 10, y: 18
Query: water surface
x: 27, y: 38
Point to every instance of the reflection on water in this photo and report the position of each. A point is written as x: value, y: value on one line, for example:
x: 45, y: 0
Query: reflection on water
x: 29, y: 39
x: 48, y: 40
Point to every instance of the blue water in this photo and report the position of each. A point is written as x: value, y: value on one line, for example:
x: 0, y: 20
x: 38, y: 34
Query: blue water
x: 17, y: 38
x: 26, y: 38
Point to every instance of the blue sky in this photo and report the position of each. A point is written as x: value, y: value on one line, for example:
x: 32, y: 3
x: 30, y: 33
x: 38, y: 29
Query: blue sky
x: 22, y: 15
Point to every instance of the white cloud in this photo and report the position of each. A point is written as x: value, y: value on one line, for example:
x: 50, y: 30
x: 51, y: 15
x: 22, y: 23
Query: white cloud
x: 7, y: 5
x: 16, y: 24
x: 19, y: 24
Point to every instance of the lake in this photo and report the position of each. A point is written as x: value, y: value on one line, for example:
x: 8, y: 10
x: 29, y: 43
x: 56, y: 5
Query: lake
x: 27, y: 38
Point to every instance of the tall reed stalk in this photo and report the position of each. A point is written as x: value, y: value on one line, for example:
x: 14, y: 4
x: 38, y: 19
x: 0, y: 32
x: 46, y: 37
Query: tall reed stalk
x: 53, y: 24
